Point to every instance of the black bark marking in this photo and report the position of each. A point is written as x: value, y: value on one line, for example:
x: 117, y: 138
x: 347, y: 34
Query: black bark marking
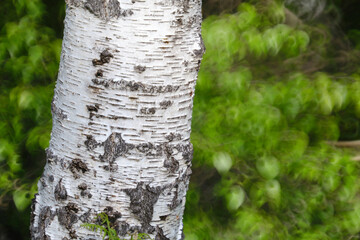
x: 45, y: 218
x: 163, y: 218
x: 83, y: 190
x: 67, y: 218
x: 43, y: 181
x: 51, y: 158
x: 77, y: 166
x: 114, y: 147
x: 82, y: 186
x: 148, y: 111
x: 188, y: 152
x: 173, y: 136
x: 142, y: 201
x: 92, y: 109
x: 113, y: 216
x: 106, y: 9
x: 60, y: 191
x: 72, y: 234
x: 200, y: 52
x: 182, y: 234
x: 32, y: 216
x: 85, y: 218
x: 171, y: 164
x: 165, y: 104
x: 91, y: 143
x: 139, y: 69
x: 160, y: 234
x: 181, y: 187
x: 197, y: 68
x: 135, y: 86
x: 57, y: 111
x: 76, y: 3
x: 99, y: 73
x: 51, y: 178
x: 105, y: 57
x: 122, y: 228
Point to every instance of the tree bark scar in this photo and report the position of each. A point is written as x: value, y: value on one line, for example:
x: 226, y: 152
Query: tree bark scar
x: 142, y: 201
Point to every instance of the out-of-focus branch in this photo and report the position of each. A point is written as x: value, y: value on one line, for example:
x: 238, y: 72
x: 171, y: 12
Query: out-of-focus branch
x: 345, y: 144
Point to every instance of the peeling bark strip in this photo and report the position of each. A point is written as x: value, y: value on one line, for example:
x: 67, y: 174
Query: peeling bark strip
x: 121, y: 120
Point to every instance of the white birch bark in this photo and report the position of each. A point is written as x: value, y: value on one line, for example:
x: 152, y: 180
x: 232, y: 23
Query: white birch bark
x: 120, y: 142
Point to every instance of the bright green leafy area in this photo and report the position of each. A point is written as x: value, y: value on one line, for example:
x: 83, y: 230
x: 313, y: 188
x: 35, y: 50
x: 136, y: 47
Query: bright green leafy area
x: 29, y: 58
x: 106, y: 230
x: 270, y: 97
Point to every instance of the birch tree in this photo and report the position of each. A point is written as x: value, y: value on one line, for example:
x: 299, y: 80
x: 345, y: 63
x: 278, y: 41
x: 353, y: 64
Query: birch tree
x: 120, y: 142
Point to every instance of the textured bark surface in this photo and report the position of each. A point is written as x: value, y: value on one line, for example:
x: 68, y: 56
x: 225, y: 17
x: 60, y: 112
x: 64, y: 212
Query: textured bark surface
x: 120, y: 142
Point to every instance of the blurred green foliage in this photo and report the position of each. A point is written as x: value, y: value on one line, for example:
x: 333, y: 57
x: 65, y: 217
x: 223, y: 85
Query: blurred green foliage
x: 273, y: 91
x: 270, y: 96
x: 29, y: 58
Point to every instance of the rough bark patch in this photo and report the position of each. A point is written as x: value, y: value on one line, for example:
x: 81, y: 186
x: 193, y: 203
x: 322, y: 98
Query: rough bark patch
x: 135, y: 86
x: 142, y: 201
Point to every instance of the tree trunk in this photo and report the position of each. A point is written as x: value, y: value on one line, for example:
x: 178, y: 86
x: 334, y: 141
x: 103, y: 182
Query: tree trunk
x: 120, y: 142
